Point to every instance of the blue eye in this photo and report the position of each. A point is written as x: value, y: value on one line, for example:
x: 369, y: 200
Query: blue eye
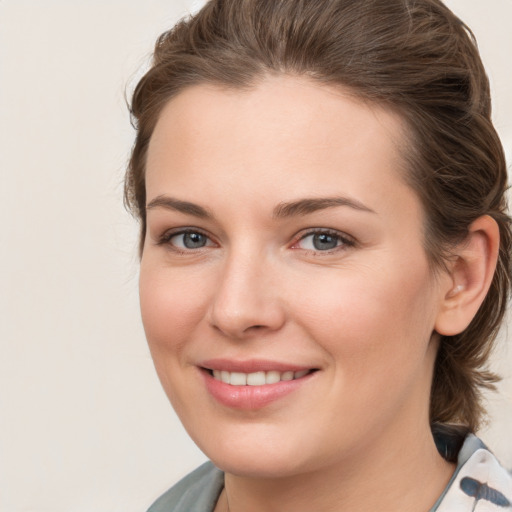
x: 323, y: 241
x: 189, y: 240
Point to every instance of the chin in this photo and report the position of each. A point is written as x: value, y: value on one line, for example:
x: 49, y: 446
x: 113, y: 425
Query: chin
x: 261, y: 467
x: 263, y: 456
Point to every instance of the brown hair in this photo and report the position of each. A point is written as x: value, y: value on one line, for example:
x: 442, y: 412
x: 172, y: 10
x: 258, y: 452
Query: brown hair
x: 414, y: 56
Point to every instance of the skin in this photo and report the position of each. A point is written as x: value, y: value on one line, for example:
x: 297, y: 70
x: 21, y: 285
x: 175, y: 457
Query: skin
x: 356, y: 435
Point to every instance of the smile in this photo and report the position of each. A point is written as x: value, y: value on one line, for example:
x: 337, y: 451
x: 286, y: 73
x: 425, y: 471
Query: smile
x: 260, y: 378
x: 252, y: 385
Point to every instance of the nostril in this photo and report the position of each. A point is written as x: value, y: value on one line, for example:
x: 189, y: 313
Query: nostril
x: 255, y: 327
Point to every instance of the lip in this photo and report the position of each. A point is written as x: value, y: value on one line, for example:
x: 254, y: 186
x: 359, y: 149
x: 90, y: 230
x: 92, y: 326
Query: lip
x: 251, y: 397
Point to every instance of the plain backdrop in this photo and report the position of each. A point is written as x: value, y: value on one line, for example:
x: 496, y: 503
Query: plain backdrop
x: 84, y: 424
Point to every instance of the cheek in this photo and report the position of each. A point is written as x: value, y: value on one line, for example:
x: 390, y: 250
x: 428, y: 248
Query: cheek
x: 172, y: 304
x: 376, y: 333
x: 370, y: 316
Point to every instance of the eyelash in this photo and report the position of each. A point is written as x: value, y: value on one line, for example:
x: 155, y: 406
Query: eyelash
x: 166, y: 237
x: 344, y: 240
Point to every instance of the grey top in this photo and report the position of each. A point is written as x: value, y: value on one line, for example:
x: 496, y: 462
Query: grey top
x: 197, y: 492
x: 479, y: 484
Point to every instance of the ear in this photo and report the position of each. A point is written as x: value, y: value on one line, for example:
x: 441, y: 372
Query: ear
x: 469, y: 277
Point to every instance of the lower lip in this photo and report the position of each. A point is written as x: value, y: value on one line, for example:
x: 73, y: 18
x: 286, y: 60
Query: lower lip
x: 251, y: 397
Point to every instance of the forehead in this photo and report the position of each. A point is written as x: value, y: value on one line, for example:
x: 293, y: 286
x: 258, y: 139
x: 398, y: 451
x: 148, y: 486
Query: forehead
x: 284, y: 134
x: 285, y: 104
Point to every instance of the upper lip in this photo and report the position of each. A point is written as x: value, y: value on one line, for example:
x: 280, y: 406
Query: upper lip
x: 251, y: 365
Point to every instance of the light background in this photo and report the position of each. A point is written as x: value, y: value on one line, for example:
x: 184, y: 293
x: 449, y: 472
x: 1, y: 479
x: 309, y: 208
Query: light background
x: 84, y: 425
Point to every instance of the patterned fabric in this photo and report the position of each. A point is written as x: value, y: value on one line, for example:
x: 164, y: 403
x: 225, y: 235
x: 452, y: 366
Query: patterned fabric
x: 479, y: 484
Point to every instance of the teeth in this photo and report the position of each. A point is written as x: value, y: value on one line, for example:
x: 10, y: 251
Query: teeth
x: 256, y: 378
x: 238, y: 379
x: 272, y: 377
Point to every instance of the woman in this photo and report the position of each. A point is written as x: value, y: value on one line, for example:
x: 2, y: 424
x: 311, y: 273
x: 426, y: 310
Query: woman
x: 325, y: 254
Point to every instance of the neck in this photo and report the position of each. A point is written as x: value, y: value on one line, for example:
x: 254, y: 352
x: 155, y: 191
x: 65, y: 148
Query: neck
x: 402, y: 472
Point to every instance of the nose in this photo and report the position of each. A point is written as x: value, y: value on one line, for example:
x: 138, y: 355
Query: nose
x: 248, y: 299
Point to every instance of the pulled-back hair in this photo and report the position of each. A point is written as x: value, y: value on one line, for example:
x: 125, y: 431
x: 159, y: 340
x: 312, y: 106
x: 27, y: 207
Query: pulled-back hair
x: 413, y: 56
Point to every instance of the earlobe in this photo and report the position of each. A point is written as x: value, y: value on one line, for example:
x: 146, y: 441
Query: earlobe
x: 470, y: 276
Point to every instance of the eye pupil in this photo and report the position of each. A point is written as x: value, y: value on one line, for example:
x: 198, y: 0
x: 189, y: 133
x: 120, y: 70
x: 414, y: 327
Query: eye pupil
x: 194, y: 240
x: 324, y: 241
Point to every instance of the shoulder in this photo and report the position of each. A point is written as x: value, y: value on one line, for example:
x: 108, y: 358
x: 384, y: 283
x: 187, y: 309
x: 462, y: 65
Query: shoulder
x: 197, y: 492
x: 479, y: 479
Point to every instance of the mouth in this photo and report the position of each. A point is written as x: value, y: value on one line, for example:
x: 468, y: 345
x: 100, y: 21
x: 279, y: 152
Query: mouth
x: 259, y: 378
x: 255, y: 384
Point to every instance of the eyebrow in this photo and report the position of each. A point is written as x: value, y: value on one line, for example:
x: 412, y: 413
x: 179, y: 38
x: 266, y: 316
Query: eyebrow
x: 186, y: 207
x: 311, y: 205
x: 281, y: 211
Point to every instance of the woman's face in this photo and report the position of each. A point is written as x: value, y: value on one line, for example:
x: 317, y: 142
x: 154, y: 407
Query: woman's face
x: 282, y: 244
